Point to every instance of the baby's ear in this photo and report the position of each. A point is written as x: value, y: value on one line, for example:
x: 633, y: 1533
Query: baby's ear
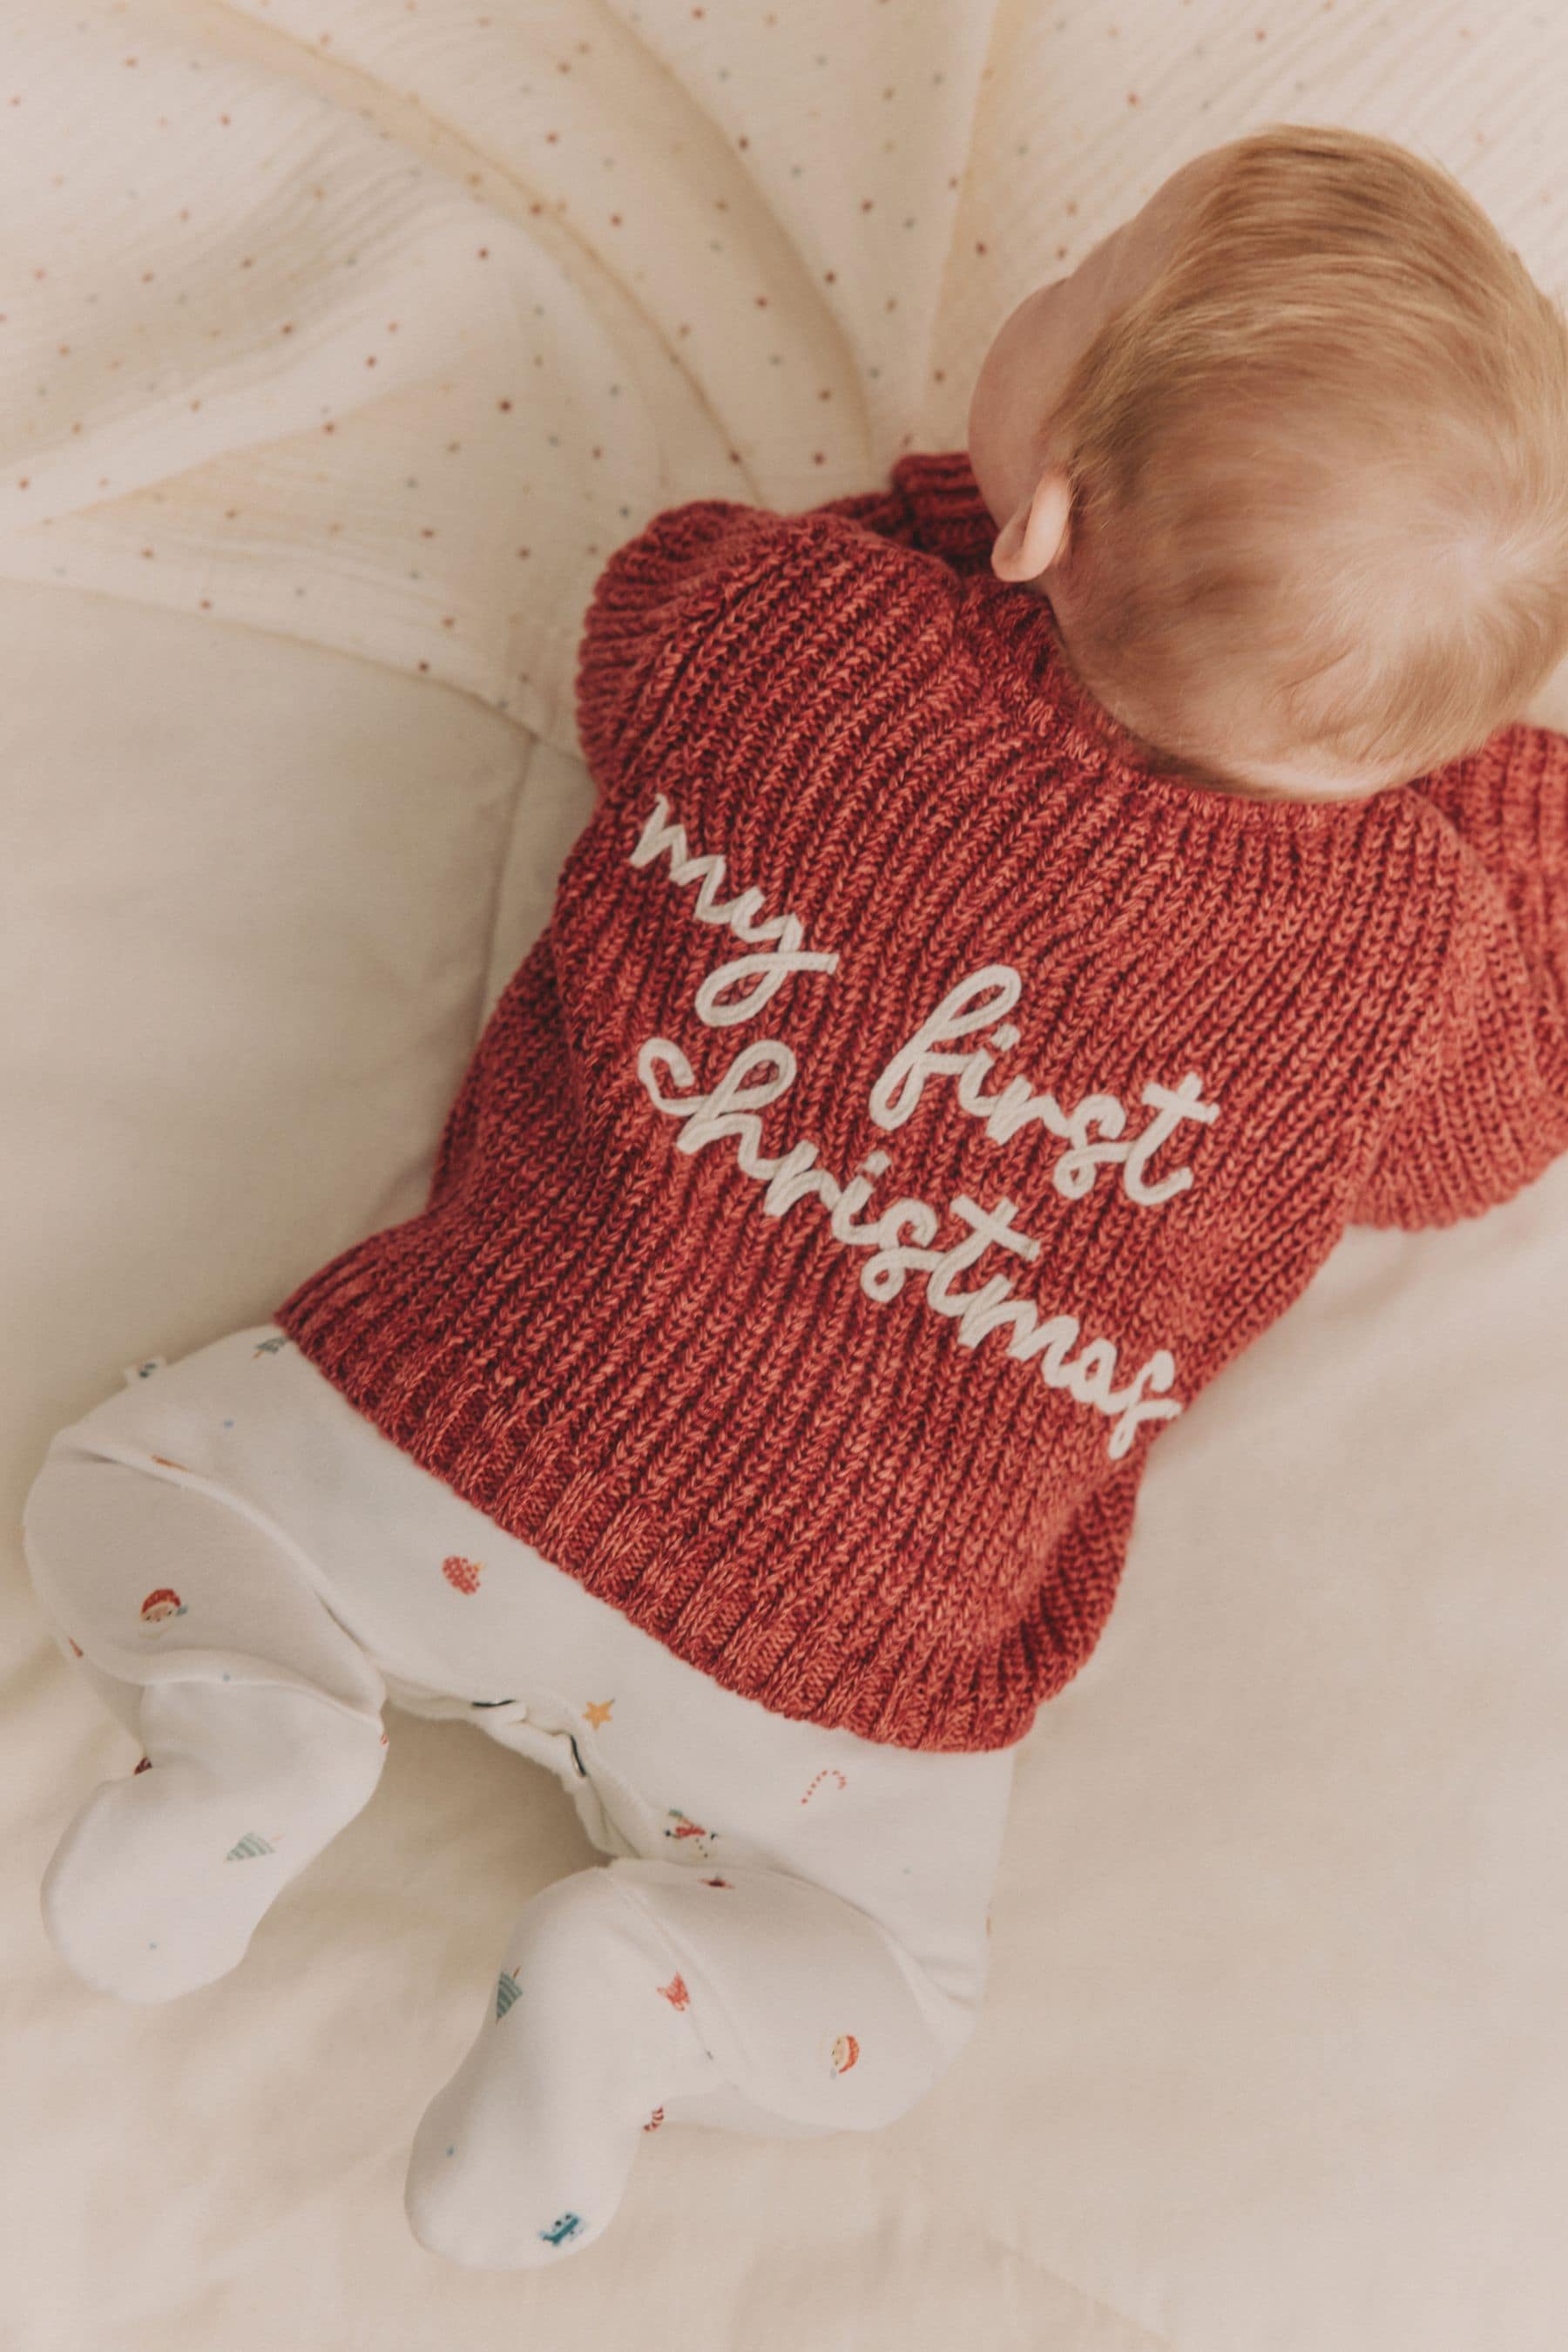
x: 1035, y: 535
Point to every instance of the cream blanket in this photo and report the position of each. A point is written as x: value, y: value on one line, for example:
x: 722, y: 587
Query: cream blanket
x: 342, y: 342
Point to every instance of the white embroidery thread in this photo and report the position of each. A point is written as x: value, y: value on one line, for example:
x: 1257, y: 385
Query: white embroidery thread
x: 659, y: 837
x: 897, y: 1095
x: 899, y: 1240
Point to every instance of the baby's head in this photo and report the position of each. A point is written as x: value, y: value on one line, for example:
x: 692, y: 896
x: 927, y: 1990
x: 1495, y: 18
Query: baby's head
x: 1287, y: 453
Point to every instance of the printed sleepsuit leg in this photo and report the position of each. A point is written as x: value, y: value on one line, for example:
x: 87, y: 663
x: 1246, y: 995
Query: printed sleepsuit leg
x: 790, y: 1935
x: 258, y: 1718
x: 637, y: 1983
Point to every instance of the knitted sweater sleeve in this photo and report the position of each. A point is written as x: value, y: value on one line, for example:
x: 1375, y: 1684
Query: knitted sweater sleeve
x: 1484, y: 1110
x: 648, y: 606
x: 697, y: 573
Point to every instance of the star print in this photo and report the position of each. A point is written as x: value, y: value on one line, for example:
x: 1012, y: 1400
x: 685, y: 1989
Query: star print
x: 597, y: 1711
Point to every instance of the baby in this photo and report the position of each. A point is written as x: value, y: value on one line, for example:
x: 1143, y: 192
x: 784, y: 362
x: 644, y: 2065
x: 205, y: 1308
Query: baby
x: 1112, y: 907
x: 1289, y: 454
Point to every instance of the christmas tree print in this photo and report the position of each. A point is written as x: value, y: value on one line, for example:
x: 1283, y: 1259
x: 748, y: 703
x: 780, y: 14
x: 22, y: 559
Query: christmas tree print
x: 507, y: 1991
x: 462, y: 1575
x: 250, y: 1844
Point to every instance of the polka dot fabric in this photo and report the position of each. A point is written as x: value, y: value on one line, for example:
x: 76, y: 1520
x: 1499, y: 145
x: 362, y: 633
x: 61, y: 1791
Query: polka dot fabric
x: 1276, y: 2055
x: 379, y: 323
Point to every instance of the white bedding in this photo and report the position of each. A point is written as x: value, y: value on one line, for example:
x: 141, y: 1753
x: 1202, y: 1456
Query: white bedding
x: 1275, y: 2057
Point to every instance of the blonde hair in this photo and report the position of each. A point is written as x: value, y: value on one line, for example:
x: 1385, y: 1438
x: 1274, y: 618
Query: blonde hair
x: 1320, y: 470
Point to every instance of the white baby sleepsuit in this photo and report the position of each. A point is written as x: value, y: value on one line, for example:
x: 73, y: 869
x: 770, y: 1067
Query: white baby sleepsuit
x: 790, y: 1936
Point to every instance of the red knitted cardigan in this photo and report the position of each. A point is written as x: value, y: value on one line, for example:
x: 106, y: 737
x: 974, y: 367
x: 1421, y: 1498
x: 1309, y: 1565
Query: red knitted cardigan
x: 913, y: 1103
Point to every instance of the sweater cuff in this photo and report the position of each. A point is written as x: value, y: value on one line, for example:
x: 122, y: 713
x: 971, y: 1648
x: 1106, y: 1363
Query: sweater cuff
x: 952, y: 519
x: 1509, y: 801
x: 1527, y: 815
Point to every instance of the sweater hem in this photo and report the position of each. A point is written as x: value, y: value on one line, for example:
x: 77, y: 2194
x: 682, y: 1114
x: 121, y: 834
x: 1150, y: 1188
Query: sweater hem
x: 572, y: 1507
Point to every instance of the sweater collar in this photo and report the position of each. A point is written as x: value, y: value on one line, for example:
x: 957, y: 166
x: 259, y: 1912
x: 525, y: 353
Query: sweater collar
x: 1015, y: 638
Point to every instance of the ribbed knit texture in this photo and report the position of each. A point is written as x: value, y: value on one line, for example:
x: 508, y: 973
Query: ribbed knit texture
x: 848, y: 1467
